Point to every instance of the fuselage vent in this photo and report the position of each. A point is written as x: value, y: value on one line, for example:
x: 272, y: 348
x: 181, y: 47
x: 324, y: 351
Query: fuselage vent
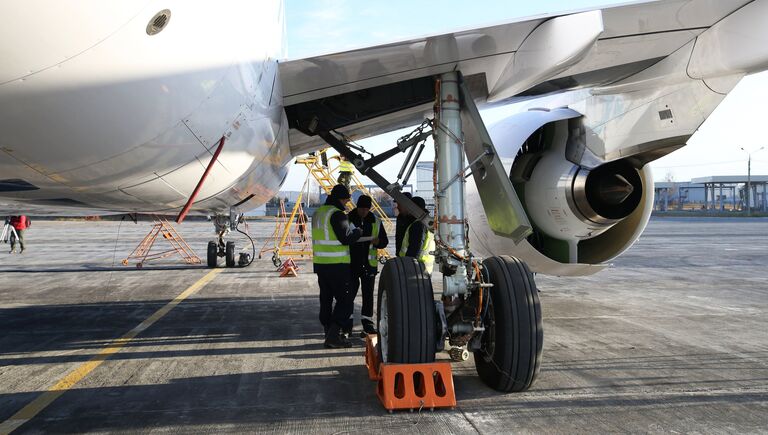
x: 158, y: 22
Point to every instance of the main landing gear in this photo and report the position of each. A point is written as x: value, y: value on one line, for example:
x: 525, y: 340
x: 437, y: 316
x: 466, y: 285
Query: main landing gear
x: 506, y: 342
x: 219, y: 248
x: 487, y: 307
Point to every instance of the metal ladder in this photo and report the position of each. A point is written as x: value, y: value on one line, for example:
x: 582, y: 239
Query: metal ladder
x: 323, y: 176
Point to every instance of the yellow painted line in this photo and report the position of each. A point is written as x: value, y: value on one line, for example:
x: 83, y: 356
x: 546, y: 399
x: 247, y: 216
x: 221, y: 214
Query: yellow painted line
x: 42, y: 401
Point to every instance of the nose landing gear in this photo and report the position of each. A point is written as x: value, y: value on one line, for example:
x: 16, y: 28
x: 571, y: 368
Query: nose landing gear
x: 220, y: 248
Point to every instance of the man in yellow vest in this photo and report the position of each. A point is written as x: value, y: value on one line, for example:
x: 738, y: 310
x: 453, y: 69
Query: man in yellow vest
x: 346, y: 169
x: 331, y: 237
x: 365, y: 261
x: 419, y: 241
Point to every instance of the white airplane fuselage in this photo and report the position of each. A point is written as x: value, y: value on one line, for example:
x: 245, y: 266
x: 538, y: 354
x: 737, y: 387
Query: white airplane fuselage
x: 120, y: 108
x: 99, y: 112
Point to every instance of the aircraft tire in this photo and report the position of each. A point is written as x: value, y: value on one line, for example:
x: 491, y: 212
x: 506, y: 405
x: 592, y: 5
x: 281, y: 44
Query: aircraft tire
x: 230, y: 253
x: 406, y: 327
x: 212, y: 256
x: 510, y: 356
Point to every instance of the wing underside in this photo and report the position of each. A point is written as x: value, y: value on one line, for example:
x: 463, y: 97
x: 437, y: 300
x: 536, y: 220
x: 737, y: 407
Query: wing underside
x: 378, y: 89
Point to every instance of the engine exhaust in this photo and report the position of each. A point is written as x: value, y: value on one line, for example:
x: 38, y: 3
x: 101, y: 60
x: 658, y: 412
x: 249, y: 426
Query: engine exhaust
x: 607, y: 193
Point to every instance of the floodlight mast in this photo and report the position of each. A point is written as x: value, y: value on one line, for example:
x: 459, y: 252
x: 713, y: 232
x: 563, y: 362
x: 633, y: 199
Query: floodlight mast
x: 748, y: 193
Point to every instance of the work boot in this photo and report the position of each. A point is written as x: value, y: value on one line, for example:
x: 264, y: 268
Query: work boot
x: 368, y: 329
x: 334, y: 339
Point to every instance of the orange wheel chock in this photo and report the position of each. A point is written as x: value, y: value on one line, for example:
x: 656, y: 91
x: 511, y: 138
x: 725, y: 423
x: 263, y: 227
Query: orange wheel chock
x: 372, y: 357
x: 410, y: 386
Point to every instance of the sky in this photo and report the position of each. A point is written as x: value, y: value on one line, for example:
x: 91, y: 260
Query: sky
x: 326, y: 26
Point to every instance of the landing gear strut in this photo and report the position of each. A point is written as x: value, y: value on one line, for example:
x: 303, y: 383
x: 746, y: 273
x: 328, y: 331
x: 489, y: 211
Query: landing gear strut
x: 491, y: 307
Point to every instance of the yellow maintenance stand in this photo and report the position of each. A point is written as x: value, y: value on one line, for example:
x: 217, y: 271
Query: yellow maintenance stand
x: 323, y: 175
x: 291, y: 235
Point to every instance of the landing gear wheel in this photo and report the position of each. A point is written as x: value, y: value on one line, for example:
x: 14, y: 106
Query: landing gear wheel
x: 230, y: 254
x: 510, y: 353
x: 276, y: 260
x: 406, y: 313
x: 213, y: 251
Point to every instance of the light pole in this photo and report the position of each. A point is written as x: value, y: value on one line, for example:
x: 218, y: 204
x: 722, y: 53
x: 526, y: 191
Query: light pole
x: 748, y: 193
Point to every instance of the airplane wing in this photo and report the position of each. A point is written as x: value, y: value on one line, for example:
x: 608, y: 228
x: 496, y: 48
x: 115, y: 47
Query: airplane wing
x: 377, y: 89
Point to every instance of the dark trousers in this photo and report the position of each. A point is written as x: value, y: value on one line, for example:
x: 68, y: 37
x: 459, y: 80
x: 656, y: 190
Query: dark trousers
x: 334, y: 286
x: 365, y: 278
x: 21, y: 240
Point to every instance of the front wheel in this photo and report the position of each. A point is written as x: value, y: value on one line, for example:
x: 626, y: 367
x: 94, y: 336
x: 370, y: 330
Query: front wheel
x: 212, y: 257
x: 406, y: 313
x: 510, y: 354
x: 229, y: 252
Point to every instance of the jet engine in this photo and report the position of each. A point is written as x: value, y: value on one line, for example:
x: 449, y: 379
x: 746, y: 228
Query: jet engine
x: 583, y: 209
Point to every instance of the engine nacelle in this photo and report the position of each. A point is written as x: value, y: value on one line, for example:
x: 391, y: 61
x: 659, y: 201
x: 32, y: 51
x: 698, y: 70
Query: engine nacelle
x: 568, y: 203
x: 584, y: 211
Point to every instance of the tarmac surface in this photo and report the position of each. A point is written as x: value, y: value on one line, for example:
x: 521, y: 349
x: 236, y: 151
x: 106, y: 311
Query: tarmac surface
x: 673, y: 338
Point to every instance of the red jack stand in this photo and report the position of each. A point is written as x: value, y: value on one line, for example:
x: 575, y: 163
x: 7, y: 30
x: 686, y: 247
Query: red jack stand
x: 289, y: 268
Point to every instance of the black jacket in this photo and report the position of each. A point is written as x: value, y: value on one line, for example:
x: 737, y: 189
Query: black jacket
x: 345, y: 234
x: 359, y: 251
x: 414, y: 239
x: 401, y: 224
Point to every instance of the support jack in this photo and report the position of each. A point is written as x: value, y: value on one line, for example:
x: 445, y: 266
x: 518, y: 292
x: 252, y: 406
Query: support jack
x: 142, y: 254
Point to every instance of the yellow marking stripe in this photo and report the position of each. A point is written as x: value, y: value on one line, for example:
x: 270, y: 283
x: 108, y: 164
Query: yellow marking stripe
x: 42, y: 401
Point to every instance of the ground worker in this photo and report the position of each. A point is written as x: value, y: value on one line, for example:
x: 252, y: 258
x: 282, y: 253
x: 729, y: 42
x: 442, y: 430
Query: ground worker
x: 365, y: 261
x: 331, y: 237
x: 419, y: 241
x: 20, y: 224
x: 402, y: 221
x: 346, y: 169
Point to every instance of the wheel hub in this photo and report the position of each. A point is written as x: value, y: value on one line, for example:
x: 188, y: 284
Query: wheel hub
x: 383, y: 327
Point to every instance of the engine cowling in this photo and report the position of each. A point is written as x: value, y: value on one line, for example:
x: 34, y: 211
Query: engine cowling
x: 569, y: 204
x: 584, y: 211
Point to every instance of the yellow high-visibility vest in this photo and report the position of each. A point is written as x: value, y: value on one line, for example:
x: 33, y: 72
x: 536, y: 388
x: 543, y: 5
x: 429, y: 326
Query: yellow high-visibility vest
x: 427, y: 246
x: 346, y: 166
x: 373, y: 253
x: 326, y: 247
